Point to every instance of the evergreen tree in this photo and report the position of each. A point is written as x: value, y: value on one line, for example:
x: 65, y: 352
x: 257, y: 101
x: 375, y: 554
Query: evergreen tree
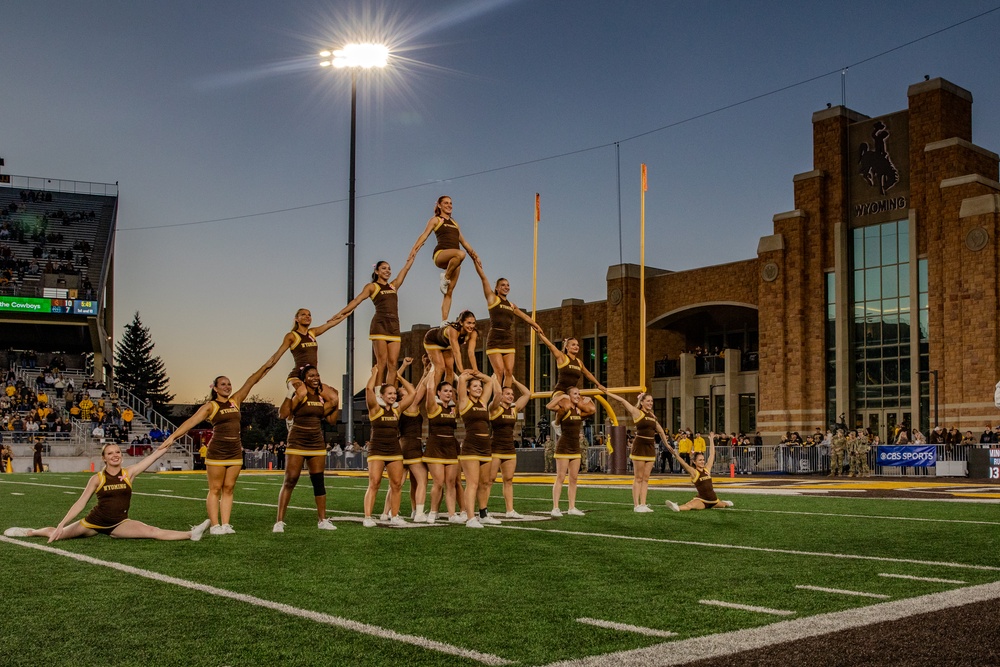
x: 137, y: 370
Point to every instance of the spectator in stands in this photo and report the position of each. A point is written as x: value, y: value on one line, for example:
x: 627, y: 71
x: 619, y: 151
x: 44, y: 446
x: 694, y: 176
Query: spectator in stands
x: 988, y: 436
x: 937, y: 436
x: 98, y: 432
x: 86, y: 408
x: 127, y: 417
x: 968, y: 439
x: 156, y: 434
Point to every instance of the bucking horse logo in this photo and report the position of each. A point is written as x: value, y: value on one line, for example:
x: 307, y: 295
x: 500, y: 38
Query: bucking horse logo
x: 875, y: 165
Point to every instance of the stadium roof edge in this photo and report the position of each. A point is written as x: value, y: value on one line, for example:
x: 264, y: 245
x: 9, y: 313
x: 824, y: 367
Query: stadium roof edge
x: 58, y: 185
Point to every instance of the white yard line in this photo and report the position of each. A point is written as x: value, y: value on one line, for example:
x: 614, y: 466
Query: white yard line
x: 931, y: 579
x: 747, y: 607
x: 869, y: 516
x: 730, y: 643
x: 841, y: 591
x: 625, y: 627
x: 319, y: 617
x: 742, y: 547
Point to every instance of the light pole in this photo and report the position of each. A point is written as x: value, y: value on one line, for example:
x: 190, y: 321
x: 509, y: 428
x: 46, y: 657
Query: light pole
x: 353, y: 56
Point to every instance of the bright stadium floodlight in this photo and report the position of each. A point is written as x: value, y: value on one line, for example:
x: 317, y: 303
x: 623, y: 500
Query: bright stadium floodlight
x: 353, y: 57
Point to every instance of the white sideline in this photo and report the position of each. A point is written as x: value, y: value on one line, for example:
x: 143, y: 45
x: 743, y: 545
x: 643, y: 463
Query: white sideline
x: 870, y: 516
x: 747, y: 607
x: 316, y: 616
x: 742, y: 547
x: 738, y: 641
x: 841, y: 591
x: 931, y: 579
x: 625, y: 627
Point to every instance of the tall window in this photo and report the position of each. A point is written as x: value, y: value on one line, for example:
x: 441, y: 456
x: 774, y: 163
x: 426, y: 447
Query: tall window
x: 675, y: 414
x: 602, y: 360
x: 544, y: 368
x: 701, y: 413
x: 924, y: 346
x: 748, y: 413
x: 882, y: 315
x: 831, y: 351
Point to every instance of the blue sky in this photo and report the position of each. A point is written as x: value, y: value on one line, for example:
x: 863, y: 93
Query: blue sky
x: 215, y: 110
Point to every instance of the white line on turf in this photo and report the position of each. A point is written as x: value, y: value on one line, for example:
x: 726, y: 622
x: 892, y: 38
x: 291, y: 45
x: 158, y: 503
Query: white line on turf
x: 870, y: 516
x: 625, y: 627
x: 730, y: 643
x: 743, y: 547
x: 913, y: 578
x: 747, y: 607
x: 841, y: 591
x: 14, y: 493
x: 319, y: 617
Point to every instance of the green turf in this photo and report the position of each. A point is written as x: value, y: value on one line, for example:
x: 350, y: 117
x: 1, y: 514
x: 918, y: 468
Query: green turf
x: 503, y: 591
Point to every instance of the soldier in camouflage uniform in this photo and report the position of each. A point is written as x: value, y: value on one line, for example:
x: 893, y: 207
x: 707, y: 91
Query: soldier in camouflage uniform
x: 550, y: 451
x: 859, y: 457
x: 838, y: 446
x: 853, y: 444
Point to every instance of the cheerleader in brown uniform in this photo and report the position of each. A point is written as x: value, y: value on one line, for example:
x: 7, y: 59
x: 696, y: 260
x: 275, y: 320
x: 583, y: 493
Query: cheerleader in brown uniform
x: 301, y: 340
x: 474, y: 391
x: 384, y: 452
x: 113, y: 487
x: 571, y: 371
x: 448, y: 253
x: 312, y: 403
x: 224, y: 459
x: 503, y: 417
x: 500, y: 339
x: 643, y: 446
x: 384, y: 330
x: 441, y: 453
x: 444, y: 346
x: 700, y: 470
x: 411, y: 427
x: 568, y: 451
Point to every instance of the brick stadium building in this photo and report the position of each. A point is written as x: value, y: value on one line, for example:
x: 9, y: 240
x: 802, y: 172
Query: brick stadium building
x: 876, y: 297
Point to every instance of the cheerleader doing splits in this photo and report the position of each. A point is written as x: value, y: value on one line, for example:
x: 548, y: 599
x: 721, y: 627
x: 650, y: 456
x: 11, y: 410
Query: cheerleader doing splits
x: 448, y: 253
x: 310, y: 404
x: 384, y: 452
x: 384, y: 330
x: 500, y: 339
x: 113, y: 488
x: 700, y: 470
x: 224, y: 459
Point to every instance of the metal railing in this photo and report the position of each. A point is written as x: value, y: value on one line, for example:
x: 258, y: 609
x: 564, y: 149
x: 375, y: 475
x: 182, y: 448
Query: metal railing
x: 58, y: 185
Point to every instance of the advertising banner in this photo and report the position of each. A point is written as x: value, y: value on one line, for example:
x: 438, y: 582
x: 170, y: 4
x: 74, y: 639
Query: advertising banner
x: 918, y: 456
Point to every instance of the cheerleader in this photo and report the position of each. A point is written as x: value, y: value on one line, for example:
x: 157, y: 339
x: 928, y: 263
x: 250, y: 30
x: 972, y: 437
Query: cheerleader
x: 411, y: 426
x: 224, y: 459
x: 301, y: 341
x: 384, y: 330
x: 474, y: 391
x: 310, y: 403
x: 570, y: 416
x: 571, y: 371
x: 441, y: 454
x: 384, y: 452
x: 113, y: 488
x: 503, y: 417
x: 500, y: 339
x: 444, y: 346
x: 448, y: 253
x: 700, y: 470
x: 643, y: 446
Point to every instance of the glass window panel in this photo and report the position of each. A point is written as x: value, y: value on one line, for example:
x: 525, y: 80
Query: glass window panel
x: 872, y: 231
x: 904, y: 305
x: 904, y: 371
x: 890, y: 307
x: 904, y: 351
x: 831, y: 313
x: 904, y: 242
x: 890, y: 372
x: 890, y: 391
x: 904, y: 331
x: 890, y: 284
x: 859, y: 373
x: 924, y: 328
x: 831, y: 287
x: 922, y: 275
x: 922, y: 301
x: 872, y: 253
x: 873, y: 284
x: 859, y: 248
x: 873, y: 374
x: 903, y: 226
x: 859, y: 285
x: 888, y: 246
x: 904, y: 280
x: 859, y: 332
x: 873, y: 331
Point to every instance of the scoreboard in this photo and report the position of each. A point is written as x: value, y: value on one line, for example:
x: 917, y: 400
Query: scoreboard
x: 984, y: 463
x: 24, y: 304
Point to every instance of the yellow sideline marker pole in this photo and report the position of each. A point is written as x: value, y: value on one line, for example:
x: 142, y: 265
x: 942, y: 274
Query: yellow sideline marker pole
x: 642, y: 283
x: 534, y: 297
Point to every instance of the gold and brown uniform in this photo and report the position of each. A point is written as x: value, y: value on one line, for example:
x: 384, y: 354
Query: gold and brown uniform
x: 644, y: 444
x: 411, y: 428
x: 570, y: 373
x: 225, y: 448
x: 306, y: 436
x: 503, y: 420
x: 442, y: 447
x: 447, y: 234
x: 437, y: 338
x: 385, y: 322
x: 568, y: 445
x: 500, y: 339
x: 384, y: 445
x: 114, y: 495
x: 476, y: 446
x: 305, y: 352
x: 703, y: 485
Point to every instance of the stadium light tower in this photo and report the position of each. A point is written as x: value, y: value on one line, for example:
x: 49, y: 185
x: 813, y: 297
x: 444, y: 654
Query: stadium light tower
x: 353, y: 57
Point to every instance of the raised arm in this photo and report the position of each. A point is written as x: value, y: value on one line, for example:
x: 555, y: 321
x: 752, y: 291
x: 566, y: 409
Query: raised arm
x: 397, y: 282
x: 258, y: 375
x: 497, y: 392
x: 412, y: 395
x: 430, y: 396
x: 464, y: 243
x: 140, y: 467
x: 456, y: 349
x: 423, y: 237
x: 487, y: 289
x: 673, y: 452
x: 371, y: 399
x: 525, y: 396
x: 76, y: 508
x: 590, y: 376
x: 633, y: 411
x: 556, y: 352
x: 286, y: 344
x: 487, y: 386
x: 527, y: 318
x: 463, y: 389
x: 470, y: 346
x: 292, y: 399
x: 332, y: 407
x: 711, y: 451
x: 197, y: 418
x: 346, y: 310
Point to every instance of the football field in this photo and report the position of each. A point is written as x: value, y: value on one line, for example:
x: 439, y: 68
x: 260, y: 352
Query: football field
x: 613, y: 587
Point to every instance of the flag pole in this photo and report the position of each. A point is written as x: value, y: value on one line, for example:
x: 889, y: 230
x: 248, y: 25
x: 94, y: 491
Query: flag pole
x: 642, y: 283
